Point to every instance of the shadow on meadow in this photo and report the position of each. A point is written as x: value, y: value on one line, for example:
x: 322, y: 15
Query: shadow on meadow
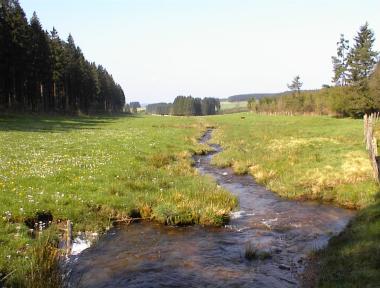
x: 352, y: 258
x: 55, y: 123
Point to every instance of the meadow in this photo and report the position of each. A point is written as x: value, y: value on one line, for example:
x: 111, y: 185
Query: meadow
x: 98, y: 170
x: 298, y: 157
x: 352, y: 259
x: 226, y: 106
x: 318, y: 158
x: 94, y: 171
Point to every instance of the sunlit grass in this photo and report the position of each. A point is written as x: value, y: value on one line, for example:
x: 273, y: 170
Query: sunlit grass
x: 97, y: 170
x: 299, y: 157
x: 226, y: 105
x: 313, y: 158
x: 94, y: 171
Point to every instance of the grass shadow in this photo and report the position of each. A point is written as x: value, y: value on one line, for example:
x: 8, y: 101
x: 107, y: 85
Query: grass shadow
x: 352, y: 259
x: 31, y: 123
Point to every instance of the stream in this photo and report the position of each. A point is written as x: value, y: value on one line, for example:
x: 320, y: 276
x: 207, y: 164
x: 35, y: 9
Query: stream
x: 152, y: 255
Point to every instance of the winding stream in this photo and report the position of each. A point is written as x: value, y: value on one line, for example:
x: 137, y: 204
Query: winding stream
x: 153, y: 255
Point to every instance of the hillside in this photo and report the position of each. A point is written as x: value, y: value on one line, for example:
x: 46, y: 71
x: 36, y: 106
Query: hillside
x: 246, y: 97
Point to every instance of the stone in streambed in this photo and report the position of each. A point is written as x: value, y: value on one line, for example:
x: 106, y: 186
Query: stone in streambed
x: 284, y: 267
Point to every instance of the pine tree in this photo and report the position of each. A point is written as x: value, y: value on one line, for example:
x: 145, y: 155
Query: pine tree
x: 40, y: 70
x: 340, y: 62
x: 16, y: 36
x: 90, y: 87
x: 196, y: 106
x: 362, y: 58
x: 296, y: 85
x: 58, y: 64
x: 4, y: 56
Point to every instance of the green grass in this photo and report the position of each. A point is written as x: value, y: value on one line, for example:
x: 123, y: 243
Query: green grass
x: 225, y: 105
x: 320, y: 158
x: 352, y: 259
x: 94, y: 170
x: 97, y: 170
x: 313, y: 158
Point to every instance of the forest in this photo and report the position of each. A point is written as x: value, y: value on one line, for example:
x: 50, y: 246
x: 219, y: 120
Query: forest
x: 159, y: 108
x: 186, y: 106
x: 356, y: 89
x: 39, y: 72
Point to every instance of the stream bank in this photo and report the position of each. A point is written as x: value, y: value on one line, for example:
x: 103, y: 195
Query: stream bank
x: 152, y: 255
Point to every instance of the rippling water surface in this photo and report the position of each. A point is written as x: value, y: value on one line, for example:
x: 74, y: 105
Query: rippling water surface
x: 153, y: 255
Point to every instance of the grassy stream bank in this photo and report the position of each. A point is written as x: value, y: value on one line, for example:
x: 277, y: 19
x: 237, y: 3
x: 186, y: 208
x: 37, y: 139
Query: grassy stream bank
x: 318, y: 158
x: 95, y: 170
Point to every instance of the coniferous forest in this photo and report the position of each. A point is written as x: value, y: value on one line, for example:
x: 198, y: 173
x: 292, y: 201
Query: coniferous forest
x: 39, y: 72
x: 186, y: 106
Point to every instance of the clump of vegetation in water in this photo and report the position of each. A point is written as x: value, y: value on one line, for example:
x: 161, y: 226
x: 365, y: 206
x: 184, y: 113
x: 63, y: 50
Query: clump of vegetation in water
x: 252, y: 252
x: 96, y: 170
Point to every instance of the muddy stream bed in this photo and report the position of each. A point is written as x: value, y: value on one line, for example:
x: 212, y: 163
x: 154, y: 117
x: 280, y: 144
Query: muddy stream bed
x: 152, y: 255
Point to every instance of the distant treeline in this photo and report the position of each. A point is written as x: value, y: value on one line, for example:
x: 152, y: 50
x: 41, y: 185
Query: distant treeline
x: 159, y: 108
x: 186, y: 106
x: 39, y: 72
x: 247, y: 97
x: 325, y: 101
x: 357, y: 84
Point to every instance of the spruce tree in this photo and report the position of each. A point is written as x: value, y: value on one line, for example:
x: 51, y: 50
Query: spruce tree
x: 40, y: 69
x: 16, y: 36
x: 362, y: 58
x: 40, y: 72
x: 58, y: 64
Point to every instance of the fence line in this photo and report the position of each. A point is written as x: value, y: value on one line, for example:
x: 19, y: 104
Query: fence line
x: 371, y: 142
x: 288, y: 113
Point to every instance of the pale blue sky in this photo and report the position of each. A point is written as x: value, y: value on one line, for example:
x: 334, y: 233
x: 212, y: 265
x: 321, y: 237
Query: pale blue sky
x: 158, y: 49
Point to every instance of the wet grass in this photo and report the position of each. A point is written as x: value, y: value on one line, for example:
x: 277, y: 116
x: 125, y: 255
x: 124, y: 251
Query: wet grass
x: 252, y: 252
x: 319, y: 158
x: 93, y: 171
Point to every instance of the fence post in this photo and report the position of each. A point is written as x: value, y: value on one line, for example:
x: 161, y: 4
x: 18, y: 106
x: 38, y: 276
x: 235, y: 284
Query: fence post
x: 371, y: 142
x: 68, y: 236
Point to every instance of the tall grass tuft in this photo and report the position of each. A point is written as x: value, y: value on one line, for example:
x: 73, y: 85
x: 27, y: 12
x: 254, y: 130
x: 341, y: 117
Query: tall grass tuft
x: 45, y: 269
x: 251, y: 252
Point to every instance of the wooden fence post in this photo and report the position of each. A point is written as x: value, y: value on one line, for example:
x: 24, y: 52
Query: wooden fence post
x: 371, y: 142
x: 69, y: 233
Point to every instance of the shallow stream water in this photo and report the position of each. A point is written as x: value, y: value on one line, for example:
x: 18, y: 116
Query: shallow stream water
x: 152, y: 255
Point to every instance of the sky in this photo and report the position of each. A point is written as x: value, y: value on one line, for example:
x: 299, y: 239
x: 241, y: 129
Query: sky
x: 158, y: 49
